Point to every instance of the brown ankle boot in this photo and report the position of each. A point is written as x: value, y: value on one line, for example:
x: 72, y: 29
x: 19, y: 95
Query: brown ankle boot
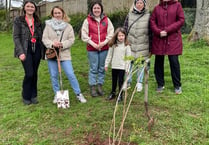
x: 93, y: 91
x: 100, y: 91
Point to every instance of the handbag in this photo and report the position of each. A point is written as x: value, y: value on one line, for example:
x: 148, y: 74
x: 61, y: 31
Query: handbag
x: 52, y: 53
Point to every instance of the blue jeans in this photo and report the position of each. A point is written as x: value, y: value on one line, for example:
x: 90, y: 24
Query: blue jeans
x: 97, y: 63
x: 68, y: 69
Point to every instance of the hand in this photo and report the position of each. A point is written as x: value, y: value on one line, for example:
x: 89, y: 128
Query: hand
x: 163, y: 33
x: 60, y: 45
x: 101, y: 45
x: 56, y: 43
x: 95, y: 45
x: 106, y: 68
x: 22, y: 57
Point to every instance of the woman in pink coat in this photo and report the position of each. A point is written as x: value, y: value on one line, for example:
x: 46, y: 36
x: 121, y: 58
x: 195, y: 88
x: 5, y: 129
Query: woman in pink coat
x: 166, y: 21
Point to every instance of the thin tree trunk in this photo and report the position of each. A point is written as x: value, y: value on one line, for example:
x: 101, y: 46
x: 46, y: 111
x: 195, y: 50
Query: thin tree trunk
x: 201, y: 26
x: 8, y: 6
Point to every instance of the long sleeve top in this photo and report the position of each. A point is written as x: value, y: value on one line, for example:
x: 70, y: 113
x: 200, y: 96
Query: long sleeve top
x: 116, y: 56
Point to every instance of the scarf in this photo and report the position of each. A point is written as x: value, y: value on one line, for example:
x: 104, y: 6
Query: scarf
x: 136, y: 11
x: 57, y: 25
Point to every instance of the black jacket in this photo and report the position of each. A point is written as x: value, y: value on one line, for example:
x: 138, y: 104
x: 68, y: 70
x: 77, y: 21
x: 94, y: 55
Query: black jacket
x: 22, y: 35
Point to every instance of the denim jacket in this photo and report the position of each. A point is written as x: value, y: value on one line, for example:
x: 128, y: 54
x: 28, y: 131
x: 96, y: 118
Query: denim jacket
x: 22, y: 35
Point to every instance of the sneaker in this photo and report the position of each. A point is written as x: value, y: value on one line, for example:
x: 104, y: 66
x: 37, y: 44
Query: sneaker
x: 81, y: 98
x: 160, y: 89
x: 139, y: 87
x: 126, y: 86
x: 55, y: 99
x: 178, y: 90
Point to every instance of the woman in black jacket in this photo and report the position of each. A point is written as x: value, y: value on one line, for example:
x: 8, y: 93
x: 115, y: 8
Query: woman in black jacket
x: 27, y: 36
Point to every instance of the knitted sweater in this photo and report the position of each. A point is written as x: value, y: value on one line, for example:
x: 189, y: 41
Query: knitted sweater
x: 116, y: 55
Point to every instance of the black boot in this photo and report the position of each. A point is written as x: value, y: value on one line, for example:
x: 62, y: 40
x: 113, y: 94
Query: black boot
x: 120, y: 98
x: 100, y: 91
x: 93, y: 91
x: 112, y: 96
x: 34, y: 100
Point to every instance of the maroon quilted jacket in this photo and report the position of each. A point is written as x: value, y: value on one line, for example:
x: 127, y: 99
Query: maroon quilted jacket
x: 168, y: 16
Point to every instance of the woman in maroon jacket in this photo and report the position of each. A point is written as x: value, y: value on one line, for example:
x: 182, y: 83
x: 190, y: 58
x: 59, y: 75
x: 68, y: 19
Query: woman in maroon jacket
x: 166, y: 21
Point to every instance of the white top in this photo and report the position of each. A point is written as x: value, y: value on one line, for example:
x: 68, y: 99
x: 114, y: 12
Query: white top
x: 116, y: 56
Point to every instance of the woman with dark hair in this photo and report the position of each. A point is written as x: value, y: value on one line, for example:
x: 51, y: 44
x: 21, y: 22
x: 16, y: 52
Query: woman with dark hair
x: 27, y: 36
x: 59, y: 34
x: 96, y: 31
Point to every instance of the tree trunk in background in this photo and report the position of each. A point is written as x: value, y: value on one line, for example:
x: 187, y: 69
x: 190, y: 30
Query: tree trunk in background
x: 7, y: 14
x: 152, y: 3
x: 201, y: 26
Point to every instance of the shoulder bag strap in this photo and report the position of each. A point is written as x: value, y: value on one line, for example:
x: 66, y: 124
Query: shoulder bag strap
x: 61, y: 36
x: 134, y: 22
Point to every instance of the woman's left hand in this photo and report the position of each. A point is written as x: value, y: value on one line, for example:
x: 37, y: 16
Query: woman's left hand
x: 101, y: 45
x: 60, y: 45
x: 106, y: 68
x: 163, y: 34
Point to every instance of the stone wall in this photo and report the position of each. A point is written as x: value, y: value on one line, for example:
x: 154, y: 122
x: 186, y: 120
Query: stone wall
x: 70, y: 7
x: 80, y: 6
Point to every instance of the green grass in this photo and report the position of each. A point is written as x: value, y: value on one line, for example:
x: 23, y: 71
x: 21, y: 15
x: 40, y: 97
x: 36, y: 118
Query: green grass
x: 179, y: 119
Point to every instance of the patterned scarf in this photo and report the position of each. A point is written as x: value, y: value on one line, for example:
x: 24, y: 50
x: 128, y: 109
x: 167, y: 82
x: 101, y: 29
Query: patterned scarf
x: 136, y: 11
x: 57, y: 25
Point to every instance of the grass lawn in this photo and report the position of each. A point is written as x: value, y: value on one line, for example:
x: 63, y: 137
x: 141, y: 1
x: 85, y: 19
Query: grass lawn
x: 179, y: 119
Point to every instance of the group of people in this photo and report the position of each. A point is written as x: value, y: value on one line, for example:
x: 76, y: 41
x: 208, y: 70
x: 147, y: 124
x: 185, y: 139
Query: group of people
x: 141, y: 35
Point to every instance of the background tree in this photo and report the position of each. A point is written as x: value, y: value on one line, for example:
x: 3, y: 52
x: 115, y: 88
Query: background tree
x: 1, y: 4
x: 188, y: 3
x: 152, y: 3
x: 201, y: 26
x: 7, y: 7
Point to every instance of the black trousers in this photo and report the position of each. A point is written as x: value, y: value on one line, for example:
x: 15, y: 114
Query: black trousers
x: 30, y: 65
x: 117, y: 76
x: 174, y: 67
